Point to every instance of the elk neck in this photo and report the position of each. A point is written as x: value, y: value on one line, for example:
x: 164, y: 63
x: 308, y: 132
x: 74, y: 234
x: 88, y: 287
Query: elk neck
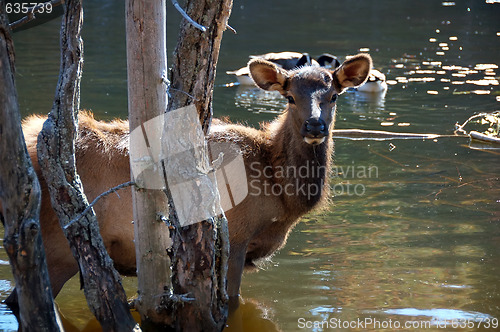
x: 307, y: 165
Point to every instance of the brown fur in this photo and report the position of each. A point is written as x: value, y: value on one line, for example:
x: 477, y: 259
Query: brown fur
x: 260, y: 224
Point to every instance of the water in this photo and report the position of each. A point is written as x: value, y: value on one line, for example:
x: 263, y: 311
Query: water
x: 417, y: 239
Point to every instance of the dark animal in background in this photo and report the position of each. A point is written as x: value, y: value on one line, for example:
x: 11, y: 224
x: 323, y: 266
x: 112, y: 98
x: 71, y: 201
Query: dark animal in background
x: 287, y: 61
x: 376, y: 82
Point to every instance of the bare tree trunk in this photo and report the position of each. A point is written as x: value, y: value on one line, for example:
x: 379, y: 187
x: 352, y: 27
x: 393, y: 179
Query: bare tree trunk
x: 196, y: 56
x: 200, y: 250
x: 147, y: 99
x: 56, y: 154
x: 20, y: 197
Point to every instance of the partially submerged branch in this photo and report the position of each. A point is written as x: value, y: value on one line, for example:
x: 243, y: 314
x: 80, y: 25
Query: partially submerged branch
x: 482, y: 137
x: 360, y: 134
x: 492, y: 134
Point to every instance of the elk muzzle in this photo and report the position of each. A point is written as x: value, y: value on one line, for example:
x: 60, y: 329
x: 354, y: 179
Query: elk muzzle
x: 314, y: 131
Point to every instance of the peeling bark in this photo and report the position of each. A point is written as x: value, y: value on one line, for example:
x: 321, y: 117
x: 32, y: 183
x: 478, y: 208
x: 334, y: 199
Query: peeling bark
x: 200, y: 251
x: 56, y: 155
x: 20, y: 197
x: 196, y: 56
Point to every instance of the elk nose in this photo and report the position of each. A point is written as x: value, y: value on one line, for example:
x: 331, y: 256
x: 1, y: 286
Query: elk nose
x: 315, y: 128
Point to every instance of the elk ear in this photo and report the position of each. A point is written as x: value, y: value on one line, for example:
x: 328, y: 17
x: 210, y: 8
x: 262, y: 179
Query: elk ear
x: 267, y: 75
x: 353, y: 72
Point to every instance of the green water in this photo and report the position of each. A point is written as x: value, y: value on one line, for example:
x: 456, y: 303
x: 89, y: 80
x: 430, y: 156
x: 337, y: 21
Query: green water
x: 415, y: 239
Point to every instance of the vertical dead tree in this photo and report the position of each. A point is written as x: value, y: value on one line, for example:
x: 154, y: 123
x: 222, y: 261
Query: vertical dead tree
x: 195, y: 299
x: 56, y: 154
x: 147, y: 99
x: 202, y: 247
x: 20, y: 197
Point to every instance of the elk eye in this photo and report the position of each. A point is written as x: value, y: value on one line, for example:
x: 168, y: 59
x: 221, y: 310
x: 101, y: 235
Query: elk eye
x: 290, y: 99
x: 334, y: 98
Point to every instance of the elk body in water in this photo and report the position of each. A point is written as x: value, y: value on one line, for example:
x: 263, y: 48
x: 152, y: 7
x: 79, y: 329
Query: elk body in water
x: 298, y: 139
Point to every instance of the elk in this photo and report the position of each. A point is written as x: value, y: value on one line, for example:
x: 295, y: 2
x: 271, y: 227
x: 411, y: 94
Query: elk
x: 298, y: 139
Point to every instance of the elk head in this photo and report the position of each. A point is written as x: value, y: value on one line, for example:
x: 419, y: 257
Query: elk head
x: 311, y: 91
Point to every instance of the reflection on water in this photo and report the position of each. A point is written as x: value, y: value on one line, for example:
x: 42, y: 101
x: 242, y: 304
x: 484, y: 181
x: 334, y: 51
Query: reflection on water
x: 7, y: 321
x: 417, y: 240
x: 439, y: 314
x: 251, y: 316
x: 258, y: 101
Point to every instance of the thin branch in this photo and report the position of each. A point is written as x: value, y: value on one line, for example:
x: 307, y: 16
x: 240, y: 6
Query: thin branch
x: 106, y: 193
x: 169, y: 87
x: 31, y: 13
x: 184, y: 92
x: 476, y: 181
x: 388, y: 158
x: 186, y: 16
x: 233, y: 30
x: 470, y: 183
x: 383, y: 135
